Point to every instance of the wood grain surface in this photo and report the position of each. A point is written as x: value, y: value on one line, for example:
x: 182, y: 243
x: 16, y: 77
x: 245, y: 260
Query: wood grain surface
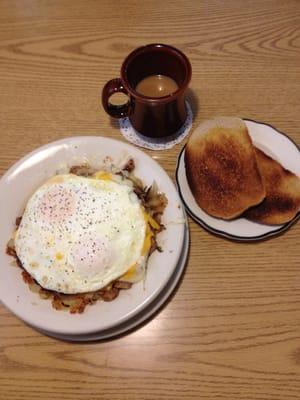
x: 232, y: 330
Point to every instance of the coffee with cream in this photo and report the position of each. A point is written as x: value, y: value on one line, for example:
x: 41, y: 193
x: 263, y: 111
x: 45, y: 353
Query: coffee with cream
x: 156, y: 86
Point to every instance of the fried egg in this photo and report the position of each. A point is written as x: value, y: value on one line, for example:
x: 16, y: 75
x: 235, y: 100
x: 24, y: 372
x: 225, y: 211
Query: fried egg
x: 78, y: 234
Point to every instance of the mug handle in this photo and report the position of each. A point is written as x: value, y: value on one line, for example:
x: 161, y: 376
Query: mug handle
x: 114, y: 86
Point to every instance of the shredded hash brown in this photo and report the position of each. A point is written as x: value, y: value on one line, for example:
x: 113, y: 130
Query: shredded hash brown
x: 154, y: 203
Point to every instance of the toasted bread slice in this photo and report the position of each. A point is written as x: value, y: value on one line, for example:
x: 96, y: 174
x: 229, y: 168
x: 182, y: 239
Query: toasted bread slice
x: 282, y: 201
x: 221, y: 168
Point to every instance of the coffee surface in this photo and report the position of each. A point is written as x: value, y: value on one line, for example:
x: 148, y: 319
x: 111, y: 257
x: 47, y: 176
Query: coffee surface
x: 156, y: 86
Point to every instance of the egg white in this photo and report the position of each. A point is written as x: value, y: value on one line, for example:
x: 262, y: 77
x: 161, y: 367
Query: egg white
x: 78, y: 234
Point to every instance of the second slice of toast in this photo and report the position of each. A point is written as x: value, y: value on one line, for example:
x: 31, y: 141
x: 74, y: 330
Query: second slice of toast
x: 282, y: 201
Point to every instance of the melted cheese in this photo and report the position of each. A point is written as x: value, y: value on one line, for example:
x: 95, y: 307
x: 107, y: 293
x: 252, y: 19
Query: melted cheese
x: 105, y: 176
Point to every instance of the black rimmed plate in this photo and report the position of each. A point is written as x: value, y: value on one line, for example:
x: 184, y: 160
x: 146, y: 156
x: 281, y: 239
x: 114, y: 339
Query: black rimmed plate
x: 275, y: 144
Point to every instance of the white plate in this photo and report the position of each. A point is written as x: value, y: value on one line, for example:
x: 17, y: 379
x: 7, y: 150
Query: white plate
x: 145, y: 314
x: 17, y: 185
x: 275, y: 144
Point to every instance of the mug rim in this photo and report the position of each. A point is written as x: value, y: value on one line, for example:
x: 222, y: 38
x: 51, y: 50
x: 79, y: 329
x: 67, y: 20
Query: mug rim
x: 156, y: 100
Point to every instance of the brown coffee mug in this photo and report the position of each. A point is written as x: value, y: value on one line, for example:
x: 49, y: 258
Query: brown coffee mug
x: 155, y: 117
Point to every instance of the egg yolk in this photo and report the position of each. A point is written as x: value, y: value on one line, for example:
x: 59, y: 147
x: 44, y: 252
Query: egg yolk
x: 56, y: 205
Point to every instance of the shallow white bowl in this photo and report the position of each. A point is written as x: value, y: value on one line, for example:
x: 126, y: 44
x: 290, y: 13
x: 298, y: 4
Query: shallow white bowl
x: 17, y: 185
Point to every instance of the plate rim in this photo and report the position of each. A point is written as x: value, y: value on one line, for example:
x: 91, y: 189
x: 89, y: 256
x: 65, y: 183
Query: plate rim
x: 224, y: 234
x: 70, y: 141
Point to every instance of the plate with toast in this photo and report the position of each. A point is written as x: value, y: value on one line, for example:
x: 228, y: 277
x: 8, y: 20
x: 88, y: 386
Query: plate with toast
x: 240, y: 178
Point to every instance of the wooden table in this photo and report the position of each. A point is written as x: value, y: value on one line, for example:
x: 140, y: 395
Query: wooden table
x: 232, y: 330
